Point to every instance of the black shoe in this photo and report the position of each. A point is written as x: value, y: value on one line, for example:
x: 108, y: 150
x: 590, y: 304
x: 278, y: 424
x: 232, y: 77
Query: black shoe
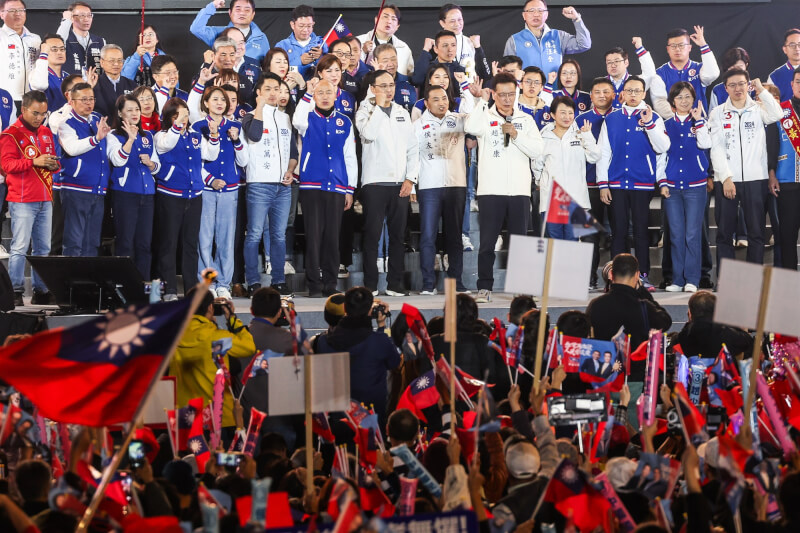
x: 315, y: 294
x: 252, y: 288
x: 330, y: 292
x: 283, y: 289
x: 18, y: 299
x: 706, y: 283
x: 593, y: 283
x: 43, y: 298
x: 664, y: 284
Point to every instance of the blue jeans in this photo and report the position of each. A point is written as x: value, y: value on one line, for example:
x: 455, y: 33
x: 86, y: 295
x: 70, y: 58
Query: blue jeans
x: 218, y: 225
x: 267, y: 212
x: 440, y: 203
x: 685, y: 209
x: 83, y: 222
x: 558, y: 231
x: 30, y: 225
x: 133, y: 222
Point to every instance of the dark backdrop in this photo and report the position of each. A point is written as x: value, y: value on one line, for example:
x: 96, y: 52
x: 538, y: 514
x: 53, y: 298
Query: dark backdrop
x: 757, y: 27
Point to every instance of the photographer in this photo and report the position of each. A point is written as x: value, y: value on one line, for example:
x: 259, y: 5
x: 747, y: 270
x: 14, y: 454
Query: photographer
x: 193, y: 365
x: 372, y: 353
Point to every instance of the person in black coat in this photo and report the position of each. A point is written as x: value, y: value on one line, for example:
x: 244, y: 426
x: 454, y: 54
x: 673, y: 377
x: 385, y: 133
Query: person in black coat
x: 111, y: 84
x: 701, y: 336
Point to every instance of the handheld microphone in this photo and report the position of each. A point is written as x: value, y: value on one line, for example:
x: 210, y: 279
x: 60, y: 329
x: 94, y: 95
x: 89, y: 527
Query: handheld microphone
x: 507, y: 136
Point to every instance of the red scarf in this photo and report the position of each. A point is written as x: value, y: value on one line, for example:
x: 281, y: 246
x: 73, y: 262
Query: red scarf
x: 151, y: 123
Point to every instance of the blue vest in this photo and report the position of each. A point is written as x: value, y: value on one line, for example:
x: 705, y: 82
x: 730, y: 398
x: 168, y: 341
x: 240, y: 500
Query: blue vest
x: 687, y: 165
x: 80, y: 59
x: 181, y: 172
x: 633, y: 160
x: 134, y: 176
x: 689, y: 73
x: 581, y: 98
x: 322, y: 167
x: 88, y: 172
x: 788, y: 168
x: 547, y: 55
x: 224, y: 166
x: 596, y: 120
x: 782, y: 78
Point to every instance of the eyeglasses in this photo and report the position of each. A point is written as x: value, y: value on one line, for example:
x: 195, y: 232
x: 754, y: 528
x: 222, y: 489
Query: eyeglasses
x: 678, y: 46
x: 614, y: 63
x: 83, y: 15
x: 538, y: 10
x: 533, y: 83
x: 740, y: 85
x: 84, y: 100
x: 145, y: 99
x: 684, y: 97
x: 569, y: 72
x: 149, y: 35
x: 304, y: 26
x: 385, y: 86
x: 506, y: 96
x: 113, y: 61
x: 633, y: 91
x: 168, y: 73
x: 58, y: 48
x: 15, y: 11
x: 793, y: 46
x: 342, y: 54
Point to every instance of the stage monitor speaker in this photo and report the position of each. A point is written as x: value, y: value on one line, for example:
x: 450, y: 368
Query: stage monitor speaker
x: 91, y: 284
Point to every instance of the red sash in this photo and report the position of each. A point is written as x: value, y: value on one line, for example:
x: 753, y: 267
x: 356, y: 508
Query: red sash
x: 30, y: 150
x: 791, y: 125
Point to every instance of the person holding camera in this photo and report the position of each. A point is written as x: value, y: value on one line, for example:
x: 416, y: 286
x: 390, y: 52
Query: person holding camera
x: 193, y: 365
x: 372, y: 353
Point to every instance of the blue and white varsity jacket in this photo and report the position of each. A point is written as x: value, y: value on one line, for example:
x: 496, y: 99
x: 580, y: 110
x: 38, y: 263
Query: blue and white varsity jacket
x: 596, y: 120
x: 700, y: 75
x: 687, y: 163
x: 328, y: 160
x: 182, y: 154
x: 84, y: 165
x: 45, y: 79
x: 629, y: 150
x: 128, y: 173
x: 232, y: 155
x: 781, y: 78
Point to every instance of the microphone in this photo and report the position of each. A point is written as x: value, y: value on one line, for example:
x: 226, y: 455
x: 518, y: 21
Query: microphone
x: 507, y: 136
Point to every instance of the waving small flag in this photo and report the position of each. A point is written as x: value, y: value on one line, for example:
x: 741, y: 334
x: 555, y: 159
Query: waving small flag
x: 572, y: 494
x: 564, y: 210
x: 419, y: 395
x: 253, y: 431
x: 338, y: 31
x: 322, y: 426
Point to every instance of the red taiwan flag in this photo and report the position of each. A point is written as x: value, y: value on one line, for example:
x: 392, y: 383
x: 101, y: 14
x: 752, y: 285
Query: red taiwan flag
x: 190, y: 422
x: 10, y: 418
x: 95, y: 373
x: 338, y: 31
x: 572, y: 494
x: 199, y: 447
x: 419, y: 395
x: 564, y: 210
x: 693, y: 421
x: 253, y: 431
x: 322, y: 426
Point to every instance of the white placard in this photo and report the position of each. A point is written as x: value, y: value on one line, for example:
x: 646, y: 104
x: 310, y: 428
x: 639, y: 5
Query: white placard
x: 569, y: 273
x: 330, y: 384
x: 783, y: 306
x: 163, y: 397
x: 738, y: 293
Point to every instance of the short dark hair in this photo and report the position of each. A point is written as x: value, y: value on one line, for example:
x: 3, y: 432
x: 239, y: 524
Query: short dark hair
x: 443, y: 33
x: 796, y: 72
x: 69, y: 81
x: 33, y: 479
x: 447, y: 8
x: 535, y: 70
x: 4, y: 2
x: 358, y: 302
x: 676, y: 89
x: 701, y: 305
x: 52, y: 36
x: 208, y: 297
x: 373, y: 79
x: 788, y: 494
x: 160, y: 61
x: 529, y: 1
x: 558, y: 101
x: 504, y: 77
x: 635, y: 78
x: 728, y: 74
x: 251, y: 2
x: 624, y: 266
x: 207, y: 92
x: 789, y: 33
x: 266, y: 302
x: 466, y: 312
x: 574, y: 323
x: 403, y: 426
x: 507, y: 60
x: 170, y: 112
x: 396, y: 10
x: 677, y: 32
x: 733, y: 56
x: 602, y: 80
x: 275, y: 50
x: 519, y: 306
x: 302, y: 11
x: 226, y: 32
x: 32, y: 97
x: 264, y: 77
x: 79, y: 87
x: 530, y: 321
x: 73, y: 5
x: 344, y: 40
x: 616, y: 50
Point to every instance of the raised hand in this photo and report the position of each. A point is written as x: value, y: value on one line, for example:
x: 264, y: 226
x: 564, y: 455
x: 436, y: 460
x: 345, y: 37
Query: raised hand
x: 476, y: 88
x: 131, y: 129
x: 140, y: 49
x: 67, y: 15
x: 208, y: 57
x: 460, y: 77
x: 570, y: 13
x: 486, y: 93
x: 368, y: 46
x: 205, y: 75
x: 428, y: 44
x: 102, y: 129
x: 311, y: 85
x: 698, y: 112
x: 698, y: 37
x: 637, y: 42
x: 44, y: 49
x: 587, y: 126
x: 213, y: 127
x: 219, y: 4
x: 551, y: 78
x: 475, y: 40
x: 494, y: 68
x: 757, y: 85
x: 647, y: 114
x: 233, y: 133
x: 91, y: 76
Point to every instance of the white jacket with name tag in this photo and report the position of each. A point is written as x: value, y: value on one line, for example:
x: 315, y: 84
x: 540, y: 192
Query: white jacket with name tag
x: 441, y: 150
x: 390, y: 152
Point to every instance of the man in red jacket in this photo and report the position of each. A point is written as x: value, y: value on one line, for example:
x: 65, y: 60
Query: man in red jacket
x: 28, y: 159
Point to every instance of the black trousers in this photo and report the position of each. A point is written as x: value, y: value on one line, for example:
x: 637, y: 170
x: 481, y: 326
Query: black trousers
x: 752, y: 196
x: 57, y: 234
x: 346, y: 235
x: 789, y: 215
x: 238, y: 236
x: 133, y: 222
x: 631, y: 207
x: 178, y: 220
x: 599, y: 211
x: 493, y: 210
x: 384, y: 201
x: 322, y: 217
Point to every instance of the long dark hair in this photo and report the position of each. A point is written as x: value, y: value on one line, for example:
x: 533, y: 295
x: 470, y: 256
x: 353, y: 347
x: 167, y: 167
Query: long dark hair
x: 272, y: 53
x: 326, y: 62
x: 451, y: 95
x: 144, y: 89
x: 116, y: 120
x: 136, y: 44
x: 577, y: 67
x: 170, y: 112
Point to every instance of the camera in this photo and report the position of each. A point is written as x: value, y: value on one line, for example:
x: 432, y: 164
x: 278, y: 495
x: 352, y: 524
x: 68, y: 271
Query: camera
x: 229, y: 460
x: 378, y: 310
x: 219, y: 309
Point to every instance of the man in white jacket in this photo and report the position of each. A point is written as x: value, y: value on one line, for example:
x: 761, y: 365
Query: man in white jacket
x: 385, y: 33
x: 739, y: 157
x: 389, y: 171
x: 507, y: 141
x: 20, y: 49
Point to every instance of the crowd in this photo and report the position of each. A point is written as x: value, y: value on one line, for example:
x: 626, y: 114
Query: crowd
x: 211, y: 175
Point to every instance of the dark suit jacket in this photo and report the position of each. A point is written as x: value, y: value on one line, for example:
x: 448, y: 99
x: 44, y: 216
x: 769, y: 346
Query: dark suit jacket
x: 106, y: 95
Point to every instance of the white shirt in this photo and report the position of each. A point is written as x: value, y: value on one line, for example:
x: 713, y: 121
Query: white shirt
x: 18, y: 55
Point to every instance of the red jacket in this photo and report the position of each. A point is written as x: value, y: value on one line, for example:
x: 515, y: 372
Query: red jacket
x: 24, y: 183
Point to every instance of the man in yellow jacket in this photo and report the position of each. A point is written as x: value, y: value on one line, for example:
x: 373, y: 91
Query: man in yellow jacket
x: 193, y: 365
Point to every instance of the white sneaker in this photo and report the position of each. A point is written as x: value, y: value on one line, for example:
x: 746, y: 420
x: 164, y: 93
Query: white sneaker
x: 3, y: 252
x: 269, y: 268
x: 466, y: 243
x: 343, y: 272
x: 376, y: 292
x: 473, y: 205
x: 673, y: 288
x: 499, y: 244
x: 445, y: 263
x: 213, y: 292
x: 437, y: 263
x: 741, y: 243
x: 170, y: 297
x: 396, y: 294
x: 288, y: 268
x: 381, y: 265
x: 432, y: 292
x: 222, y: 292
x: 689, y: 288
x: 484, y: 296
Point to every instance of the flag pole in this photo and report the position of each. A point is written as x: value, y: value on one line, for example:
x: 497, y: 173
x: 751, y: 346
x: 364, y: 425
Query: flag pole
x: 762, y: 312
x: 548, y: 263
x: 325, y: 39
x: 451, y: 336
x: 83, y: 525
x: 375, y: 27
x: 309, y: 423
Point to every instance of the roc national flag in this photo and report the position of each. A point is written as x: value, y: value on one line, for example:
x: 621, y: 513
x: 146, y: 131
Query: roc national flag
x: 564, y: 209
x: 95, y: 373
x: 338, y: 31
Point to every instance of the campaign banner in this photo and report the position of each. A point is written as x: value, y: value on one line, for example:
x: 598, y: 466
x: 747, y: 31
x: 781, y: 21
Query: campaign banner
x: 593, y: 357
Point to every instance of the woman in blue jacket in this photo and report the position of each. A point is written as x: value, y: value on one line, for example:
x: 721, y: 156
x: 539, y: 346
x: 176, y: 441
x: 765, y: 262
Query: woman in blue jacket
x: 134, y: 162
x: 179, y: 206
x: 329, y: 67
x: 137, y: 65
